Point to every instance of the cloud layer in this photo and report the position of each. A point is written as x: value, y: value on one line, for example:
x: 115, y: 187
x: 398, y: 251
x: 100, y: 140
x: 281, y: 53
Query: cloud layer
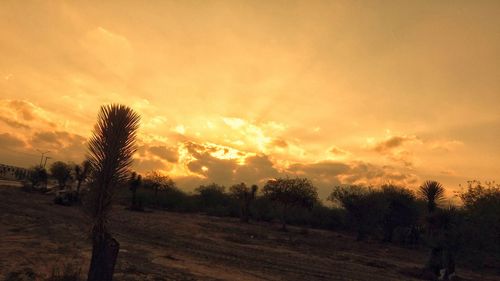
x: 238, y: 92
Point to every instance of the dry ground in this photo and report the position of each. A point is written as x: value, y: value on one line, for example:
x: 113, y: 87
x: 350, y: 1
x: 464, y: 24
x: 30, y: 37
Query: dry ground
x: 158, y: 245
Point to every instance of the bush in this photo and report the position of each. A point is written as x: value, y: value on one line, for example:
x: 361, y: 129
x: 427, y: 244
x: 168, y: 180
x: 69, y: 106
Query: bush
x: 262, y: 210
x: 212, y: 195
x: 38, y: 177
x: 289, y: 194
x: 66, y: 198
x: 481, y: 227
x: 61, y: 172
x: 363, y: 205
x: 400, y: 209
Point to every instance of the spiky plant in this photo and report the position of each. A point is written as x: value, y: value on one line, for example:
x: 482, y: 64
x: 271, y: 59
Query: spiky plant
x: 433, y: 193
x: 110, y: 151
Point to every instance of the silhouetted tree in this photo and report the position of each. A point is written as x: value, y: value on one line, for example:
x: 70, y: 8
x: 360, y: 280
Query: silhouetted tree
x: 482, y: 214
x: 291, y: 192
x: 364, y: 206
x: 37, y: 175
x: 245, y: 197
x: 400, y: 209
x: 157, y: 182
x: 135, y: 182
x: 110, y: 153
x: 81, y: 174
x: 433, y: 193
x: 61, y: 172
x: 212, y: 196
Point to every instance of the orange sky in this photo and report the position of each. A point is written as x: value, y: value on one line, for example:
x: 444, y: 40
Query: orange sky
x: 363, y: 92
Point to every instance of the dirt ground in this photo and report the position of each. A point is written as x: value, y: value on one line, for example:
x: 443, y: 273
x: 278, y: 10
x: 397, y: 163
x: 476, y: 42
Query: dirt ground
x: 36, y: 234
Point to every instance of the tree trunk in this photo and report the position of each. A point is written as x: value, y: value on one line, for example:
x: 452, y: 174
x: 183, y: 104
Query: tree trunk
x: 104, y: 254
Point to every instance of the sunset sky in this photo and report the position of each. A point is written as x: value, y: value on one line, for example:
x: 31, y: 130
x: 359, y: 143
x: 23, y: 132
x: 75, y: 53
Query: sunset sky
x: 343, y: 92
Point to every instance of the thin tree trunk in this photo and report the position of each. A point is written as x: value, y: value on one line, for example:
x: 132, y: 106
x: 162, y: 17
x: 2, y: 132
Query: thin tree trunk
x: 104, y: 254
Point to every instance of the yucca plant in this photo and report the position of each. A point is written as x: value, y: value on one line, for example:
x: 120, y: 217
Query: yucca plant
x: 110, y: 151
x: 433, y: 193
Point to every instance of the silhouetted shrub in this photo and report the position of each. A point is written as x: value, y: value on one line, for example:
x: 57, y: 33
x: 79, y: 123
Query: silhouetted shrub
x: 157, y: 182
x: 61, y: 172
x: 326, y: 218
x: 38, y: 177
x: 400, y: 209
x: 481, y: 228
x: 290, y: 193
x: 212, y: 200
x: 262, y: 209
x: 245, y: 196
x: 174, y: 199
x: 211, y: 195
x: 66, y: 197
x: 364, y: 207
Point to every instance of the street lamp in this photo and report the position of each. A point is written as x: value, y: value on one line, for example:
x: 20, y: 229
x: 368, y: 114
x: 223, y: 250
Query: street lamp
x: 41, y: 158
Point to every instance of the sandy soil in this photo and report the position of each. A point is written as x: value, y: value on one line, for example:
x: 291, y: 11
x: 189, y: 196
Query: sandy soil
x: 158, y: 245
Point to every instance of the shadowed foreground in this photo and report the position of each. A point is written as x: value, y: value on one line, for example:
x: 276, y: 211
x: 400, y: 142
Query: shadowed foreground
x: 169, y: 246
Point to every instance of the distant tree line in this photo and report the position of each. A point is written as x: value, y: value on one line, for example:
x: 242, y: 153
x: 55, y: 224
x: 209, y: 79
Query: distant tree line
x: 392, y: 214
x: 468, y: 233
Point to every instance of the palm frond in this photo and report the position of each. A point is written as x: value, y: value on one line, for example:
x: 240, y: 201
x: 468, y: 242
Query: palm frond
x: 110, y: 151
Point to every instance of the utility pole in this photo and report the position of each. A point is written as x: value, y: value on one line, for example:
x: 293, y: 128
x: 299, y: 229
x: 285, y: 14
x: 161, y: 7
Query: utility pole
x: 41, y: 158
x: 45, y: 163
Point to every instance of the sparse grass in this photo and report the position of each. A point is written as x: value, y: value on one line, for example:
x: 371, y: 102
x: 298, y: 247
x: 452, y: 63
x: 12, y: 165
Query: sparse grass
x: 66, y: 272
x: 63, y: 272
x: 25, y: 274
x: 180, y: 246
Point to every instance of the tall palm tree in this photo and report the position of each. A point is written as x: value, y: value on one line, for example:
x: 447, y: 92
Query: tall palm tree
x: 110, y: 151
x: 433, y: 193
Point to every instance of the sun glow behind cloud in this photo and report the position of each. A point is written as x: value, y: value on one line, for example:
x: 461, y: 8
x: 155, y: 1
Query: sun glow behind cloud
x: 337, y: 91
